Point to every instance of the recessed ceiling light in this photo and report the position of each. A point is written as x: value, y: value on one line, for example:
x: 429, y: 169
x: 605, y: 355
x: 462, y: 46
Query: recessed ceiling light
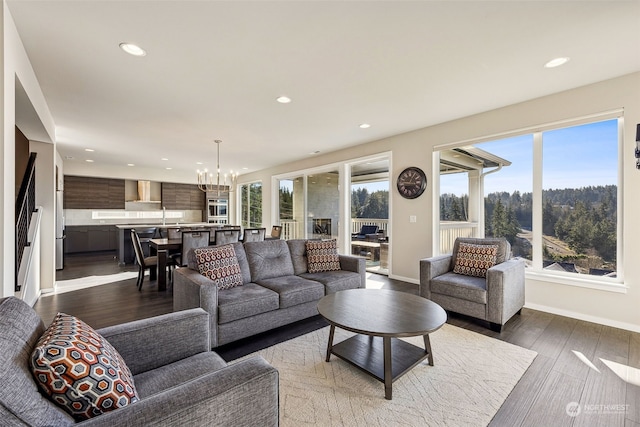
x: 198, y: 163
x: 133, y: 49
x: 365, y: 126
x: 168, y: 169
x: 130, y: 164
x: 283, y: 99
x: 556, y: 62
x: 90, y: 150
x: 246, y: 169
x: 89, y: 161
x: 164, y: 159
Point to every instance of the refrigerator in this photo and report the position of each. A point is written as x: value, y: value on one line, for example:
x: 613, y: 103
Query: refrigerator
x: 59, y: 230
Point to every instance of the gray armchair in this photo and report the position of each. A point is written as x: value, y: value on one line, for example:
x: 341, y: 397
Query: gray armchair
x: 494, y: 298
x: 180, y: 381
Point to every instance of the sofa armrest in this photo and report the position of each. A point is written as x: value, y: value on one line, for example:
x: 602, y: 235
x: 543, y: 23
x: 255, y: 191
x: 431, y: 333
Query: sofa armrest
x: 149, y: 343
x: 431, y: 268
x: 191, y: 290
x: 243, y: 393
x: 356, y: 264
x: 505, y: 290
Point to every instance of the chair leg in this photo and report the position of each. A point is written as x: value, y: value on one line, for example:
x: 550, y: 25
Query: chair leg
x: 140, y: 278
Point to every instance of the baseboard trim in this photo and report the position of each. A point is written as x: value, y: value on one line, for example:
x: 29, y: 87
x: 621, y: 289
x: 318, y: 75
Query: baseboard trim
x: 587, y: 318
x: 405, y: 279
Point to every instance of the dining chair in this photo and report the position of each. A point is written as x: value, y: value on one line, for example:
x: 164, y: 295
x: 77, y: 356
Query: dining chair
x: 144, y: 263
x: 227, y: 236
x: 276, y: 232
x: 254, y: 234
x: 192, y: 240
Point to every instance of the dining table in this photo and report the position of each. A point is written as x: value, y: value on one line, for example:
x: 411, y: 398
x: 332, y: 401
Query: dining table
x: 161, y: 247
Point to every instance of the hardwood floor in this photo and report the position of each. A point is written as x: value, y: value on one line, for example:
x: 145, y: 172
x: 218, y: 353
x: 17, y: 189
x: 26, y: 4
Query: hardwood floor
x: 581, y: 366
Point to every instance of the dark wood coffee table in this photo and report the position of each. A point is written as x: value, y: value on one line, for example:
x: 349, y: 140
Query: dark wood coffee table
x: 380, y: 317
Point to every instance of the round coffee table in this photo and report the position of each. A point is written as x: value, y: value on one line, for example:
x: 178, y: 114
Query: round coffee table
x: 379, y: 317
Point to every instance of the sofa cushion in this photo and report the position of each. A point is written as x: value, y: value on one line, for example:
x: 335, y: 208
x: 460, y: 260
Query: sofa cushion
x: 165, y: 377
x: 475, y: 260
x: 80, y: 370
x: 268, y: 259
x: 20, y: 329
x: 192, y: 262
x: 245, y: 301
x: 335, y: 281
x: 298, y: 250
x: 294, y: 290
x: 220, y: 264
x: 460, y: 286
x: 504, y: 247
x: 322, y: 256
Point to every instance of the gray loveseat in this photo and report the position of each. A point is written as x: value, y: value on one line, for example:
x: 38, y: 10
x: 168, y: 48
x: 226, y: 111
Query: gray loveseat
x: 277, y: 289
x: 179, y: 380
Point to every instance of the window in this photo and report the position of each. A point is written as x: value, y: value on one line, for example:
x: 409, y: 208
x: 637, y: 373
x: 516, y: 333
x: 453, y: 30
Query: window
x: 251, y: 205
x: 553, y: 194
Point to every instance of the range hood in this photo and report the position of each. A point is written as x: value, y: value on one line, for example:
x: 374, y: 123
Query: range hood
x: 140, y: 192
x: 144, y: 191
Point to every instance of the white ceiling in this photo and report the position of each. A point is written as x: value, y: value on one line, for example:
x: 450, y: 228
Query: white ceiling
x: 214, y: 69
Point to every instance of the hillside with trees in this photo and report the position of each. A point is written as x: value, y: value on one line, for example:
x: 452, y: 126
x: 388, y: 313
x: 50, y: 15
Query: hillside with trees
x: 580, y: 219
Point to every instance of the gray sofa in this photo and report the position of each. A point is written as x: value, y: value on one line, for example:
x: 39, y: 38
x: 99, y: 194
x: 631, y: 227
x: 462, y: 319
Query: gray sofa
x: 494, y: 298
x: 277, y: 289
x: 179, y: 380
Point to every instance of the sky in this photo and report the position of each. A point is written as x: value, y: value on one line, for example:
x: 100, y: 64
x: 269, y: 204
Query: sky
x: 573, y: 157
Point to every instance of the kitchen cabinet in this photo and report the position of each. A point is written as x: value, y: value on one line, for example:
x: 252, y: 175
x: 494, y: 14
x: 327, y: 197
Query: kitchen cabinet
x: 84, y: 192
x: 90, y: 238
x: 182, y: 197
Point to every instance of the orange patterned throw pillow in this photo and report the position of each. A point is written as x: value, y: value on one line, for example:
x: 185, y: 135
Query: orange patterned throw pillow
x: 220, y: 264
x: 322, y: 255
x: 80, y: 370
x: 475, y: 260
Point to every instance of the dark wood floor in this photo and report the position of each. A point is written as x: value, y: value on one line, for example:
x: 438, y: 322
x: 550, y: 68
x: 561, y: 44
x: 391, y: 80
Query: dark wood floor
x: 582, y: 365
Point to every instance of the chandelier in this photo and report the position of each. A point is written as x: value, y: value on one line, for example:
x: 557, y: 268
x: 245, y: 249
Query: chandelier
x: 205, y: 179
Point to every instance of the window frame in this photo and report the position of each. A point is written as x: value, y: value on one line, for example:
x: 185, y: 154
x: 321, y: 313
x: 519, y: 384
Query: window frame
x: 536, y: 272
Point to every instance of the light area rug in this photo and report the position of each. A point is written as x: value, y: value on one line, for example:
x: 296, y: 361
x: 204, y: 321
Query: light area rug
x: 472, y: 377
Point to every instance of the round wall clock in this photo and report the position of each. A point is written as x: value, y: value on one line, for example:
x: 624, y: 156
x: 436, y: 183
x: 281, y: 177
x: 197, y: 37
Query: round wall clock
x: 411, y: 182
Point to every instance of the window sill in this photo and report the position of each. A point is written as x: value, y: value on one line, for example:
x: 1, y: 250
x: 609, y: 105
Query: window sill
x: 588, y: 283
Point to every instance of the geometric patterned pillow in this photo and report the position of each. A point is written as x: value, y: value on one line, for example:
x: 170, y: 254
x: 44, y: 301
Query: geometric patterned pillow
x: 220, y: 264
x: 80, y: 371
x: 475, y: 260
x: 322, y: 255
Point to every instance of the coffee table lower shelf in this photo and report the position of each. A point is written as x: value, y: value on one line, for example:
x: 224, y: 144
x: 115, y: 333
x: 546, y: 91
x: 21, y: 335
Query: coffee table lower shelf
x: 367, y: 354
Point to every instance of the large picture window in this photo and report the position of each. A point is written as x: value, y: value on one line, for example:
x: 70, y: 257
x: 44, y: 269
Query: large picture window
x: 552, y: 194
x: 251, y: 205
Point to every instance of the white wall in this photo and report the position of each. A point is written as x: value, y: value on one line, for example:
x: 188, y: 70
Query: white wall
x: 15, y: 65
x: 45, y: 197
x: 413, y: 241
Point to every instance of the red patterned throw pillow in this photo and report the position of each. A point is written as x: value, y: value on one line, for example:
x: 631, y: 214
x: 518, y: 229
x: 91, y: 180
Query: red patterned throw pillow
x: 475, y: 260
x: 220, y: 264
x: 322, y: 255
x: 80, y: 370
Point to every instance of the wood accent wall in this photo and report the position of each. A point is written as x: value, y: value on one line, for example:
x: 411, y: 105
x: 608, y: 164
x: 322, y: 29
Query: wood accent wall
x: 22, y: 158
x: 83, y: 192
x: 182, y: 196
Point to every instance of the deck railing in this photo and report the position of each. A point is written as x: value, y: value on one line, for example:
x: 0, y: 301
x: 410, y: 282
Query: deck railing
x: 450, y: 230
x: 357, y: 223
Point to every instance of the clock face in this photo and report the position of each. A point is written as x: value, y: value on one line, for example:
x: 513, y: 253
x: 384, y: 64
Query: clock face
x: 412, y: 182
